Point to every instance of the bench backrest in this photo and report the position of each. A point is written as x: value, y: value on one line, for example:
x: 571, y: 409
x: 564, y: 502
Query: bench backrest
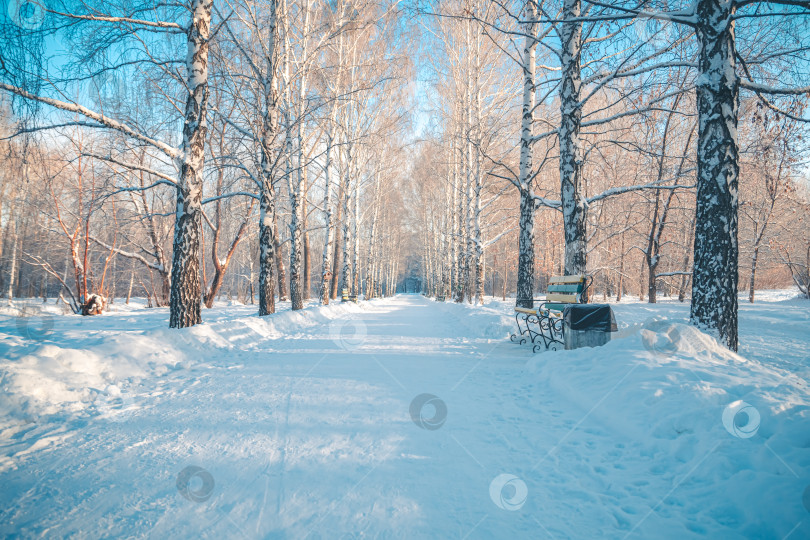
x: 565, y: 289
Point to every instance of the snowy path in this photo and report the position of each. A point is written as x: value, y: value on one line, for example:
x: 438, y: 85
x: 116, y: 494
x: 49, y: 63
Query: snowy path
x: 310, y: 436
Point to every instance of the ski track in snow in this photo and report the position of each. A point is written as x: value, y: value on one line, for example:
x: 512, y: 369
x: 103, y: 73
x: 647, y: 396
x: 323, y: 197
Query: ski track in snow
x: 302, y: 421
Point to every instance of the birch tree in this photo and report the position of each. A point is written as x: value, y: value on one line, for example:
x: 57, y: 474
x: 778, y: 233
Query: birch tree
x: 188, y: 159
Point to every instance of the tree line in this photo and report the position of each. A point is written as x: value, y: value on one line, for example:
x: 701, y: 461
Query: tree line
x: 652, y: 135
x: 282, y: 149
x: 165, y: 143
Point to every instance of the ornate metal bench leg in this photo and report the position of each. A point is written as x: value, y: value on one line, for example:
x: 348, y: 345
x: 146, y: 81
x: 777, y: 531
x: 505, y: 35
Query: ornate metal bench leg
x: 544, y: 345
x: 518, y: 337
x: 544, y: 331
x: 540, y: 334
x: 556, y: 338
x: 551, y: 332
x: 534, y: 334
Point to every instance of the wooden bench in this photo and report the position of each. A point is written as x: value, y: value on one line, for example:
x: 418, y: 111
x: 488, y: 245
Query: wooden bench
x: 546, y: 322
x: 346, y: 297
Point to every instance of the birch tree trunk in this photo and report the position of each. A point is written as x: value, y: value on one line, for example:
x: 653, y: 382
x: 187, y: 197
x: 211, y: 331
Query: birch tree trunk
x: 462, y: 265
x: 336, y: 251
x: 715, y: 278
x: 13, y: 268
x: 469, y: 249
x: 131, y: 282
x: 573, y: 206
x: 454, y: 223
x: 280, y: 266
x: 469, y: 158
x: 356, y: 237
x: 478, y: 242
x: 752, y: 277
x: 306, y: 277
x: 369, y: 292
x: 185, y: 296
x: 327, y: 206
x: 448, y: 240
x: 267, y: 196
x: 267, y: 248
x: 294, y: 185
x: 525, y: 269
x: 297, y: 176
x: 620, y: 285
x: 346, y: 271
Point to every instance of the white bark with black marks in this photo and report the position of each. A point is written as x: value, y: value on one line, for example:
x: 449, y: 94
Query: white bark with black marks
x: 525, y: 269
x: 571, y: 156
x: 346, y: 280
x: 267, y: 196
x: 328, y: 221
x: 186, y: 287
x: 715, y: 278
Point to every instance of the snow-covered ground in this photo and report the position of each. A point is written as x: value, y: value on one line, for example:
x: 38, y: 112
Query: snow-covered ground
x: 402, y: 418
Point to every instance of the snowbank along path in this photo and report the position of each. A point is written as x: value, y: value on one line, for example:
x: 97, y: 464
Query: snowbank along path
x: 401, y: 418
